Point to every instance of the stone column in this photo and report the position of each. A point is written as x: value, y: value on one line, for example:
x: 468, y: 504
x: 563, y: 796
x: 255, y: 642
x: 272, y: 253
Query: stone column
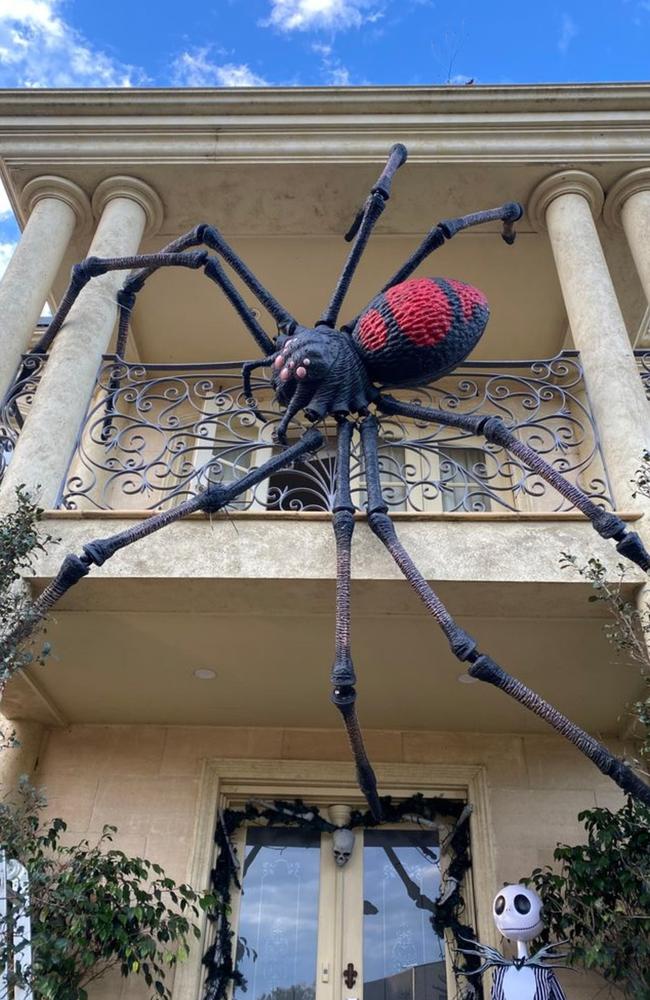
x: 565, y: 204
x: 126, y: 208
x: 56, y: 207
x: 628, y: 204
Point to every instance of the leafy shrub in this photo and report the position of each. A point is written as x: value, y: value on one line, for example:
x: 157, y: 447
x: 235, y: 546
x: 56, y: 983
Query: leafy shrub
x: 599, y: 900
x: 92, y: 908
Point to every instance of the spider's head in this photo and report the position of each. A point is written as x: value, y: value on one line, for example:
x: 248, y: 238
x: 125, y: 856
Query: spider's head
x: 304, y: 358
x: 319, y: 371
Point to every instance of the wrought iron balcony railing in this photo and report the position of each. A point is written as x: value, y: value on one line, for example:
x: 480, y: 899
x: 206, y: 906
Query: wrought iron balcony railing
x: 14, y: 409
x: 643, y: 364
x: 156, y: 434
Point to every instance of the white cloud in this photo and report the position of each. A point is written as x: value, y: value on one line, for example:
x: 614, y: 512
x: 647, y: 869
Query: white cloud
x: 333, y: 71
x: 339, y: 76
x: 568, y: 31
x: 195, y: 69
x: 39, y: 49
x: 314, y: 15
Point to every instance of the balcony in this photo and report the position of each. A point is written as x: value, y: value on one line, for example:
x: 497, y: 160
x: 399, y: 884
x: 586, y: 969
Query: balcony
x: 484, y: 528
x: 157, y: 434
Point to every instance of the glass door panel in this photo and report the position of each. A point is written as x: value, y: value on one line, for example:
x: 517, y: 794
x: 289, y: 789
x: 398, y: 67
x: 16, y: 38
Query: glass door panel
x: 403, y: 958
x: 278, y: 914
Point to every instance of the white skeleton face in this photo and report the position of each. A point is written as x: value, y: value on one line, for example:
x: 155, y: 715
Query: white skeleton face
x: 517, y: 913
x: 342, y: 845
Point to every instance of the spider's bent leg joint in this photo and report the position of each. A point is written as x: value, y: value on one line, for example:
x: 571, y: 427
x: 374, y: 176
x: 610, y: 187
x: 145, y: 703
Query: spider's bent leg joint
x: 607, y: 525
x: 126, y: 295
x: 99, y: 550
x: 344, y: 695
x: 461, y: 643
x: 631, y: 546
x: 89, y: 268
x: 397, y: 157
x: 72, y: 570
x: 508, y: 214
x: 495, y: 431
x: 214, y: 498
x: 484, y: 668
x: 209, y: 234
x: 513, y: 212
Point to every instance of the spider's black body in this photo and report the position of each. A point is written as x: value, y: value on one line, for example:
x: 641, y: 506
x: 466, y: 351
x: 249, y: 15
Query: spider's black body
x: 412, y: 332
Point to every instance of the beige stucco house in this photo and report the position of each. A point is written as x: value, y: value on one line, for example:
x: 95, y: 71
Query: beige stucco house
x: 191, y: 670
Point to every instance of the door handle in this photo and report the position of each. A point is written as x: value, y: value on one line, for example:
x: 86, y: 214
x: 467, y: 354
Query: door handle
x: 350, y: 976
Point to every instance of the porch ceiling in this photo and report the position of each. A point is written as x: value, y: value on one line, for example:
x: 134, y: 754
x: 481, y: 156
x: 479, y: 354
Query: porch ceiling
x: 287, y: 221
x: 272, y: 652
x: 253, y: 599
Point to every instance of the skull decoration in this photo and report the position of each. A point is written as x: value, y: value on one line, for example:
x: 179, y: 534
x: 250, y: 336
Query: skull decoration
x: 342, y: 846
x: 517, y: 913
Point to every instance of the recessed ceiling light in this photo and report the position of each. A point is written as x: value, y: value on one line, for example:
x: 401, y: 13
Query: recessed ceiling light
x: 205, y: 674
x: 467, y: 679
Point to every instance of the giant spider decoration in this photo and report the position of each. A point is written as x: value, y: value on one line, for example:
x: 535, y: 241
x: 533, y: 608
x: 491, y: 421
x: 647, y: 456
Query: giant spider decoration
x: 413, y: 332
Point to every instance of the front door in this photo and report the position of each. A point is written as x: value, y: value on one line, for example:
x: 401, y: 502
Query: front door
x: 309, y: 929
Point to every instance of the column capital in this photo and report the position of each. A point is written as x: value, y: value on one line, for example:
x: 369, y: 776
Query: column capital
x: 624, y: 188
x: 564, y: 182
x: 136, y: 190
x: 60, y: 188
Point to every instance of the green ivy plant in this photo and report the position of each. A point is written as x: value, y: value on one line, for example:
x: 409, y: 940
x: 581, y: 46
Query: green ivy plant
x: 22, y: 539
x: 92, y: 908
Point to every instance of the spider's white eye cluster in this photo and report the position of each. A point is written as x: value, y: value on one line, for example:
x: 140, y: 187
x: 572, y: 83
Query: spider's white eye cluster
x: 517, y: 912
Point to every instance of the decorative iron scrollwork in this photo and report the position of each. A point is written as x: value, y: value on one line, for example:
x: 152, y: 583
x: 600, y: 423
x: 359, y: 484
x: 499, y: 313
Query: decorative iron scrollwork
x: 15, y: 407
x: 157, y: 434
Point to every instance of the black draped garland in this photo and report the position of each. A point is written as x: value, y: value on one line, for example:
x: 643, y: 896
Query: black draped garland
x: 221, y: 955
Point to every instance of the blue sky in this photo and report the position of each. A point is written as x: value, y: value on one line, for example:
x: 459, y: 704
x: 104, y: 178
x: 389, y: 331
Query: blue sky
x: 121, y: 43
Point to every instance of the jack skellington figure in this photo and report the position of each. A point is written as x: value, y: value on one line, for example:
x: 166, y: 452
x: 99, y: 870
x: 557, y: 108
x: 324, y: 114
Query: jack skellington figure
x: 517, y: 913
x: 413, y: 332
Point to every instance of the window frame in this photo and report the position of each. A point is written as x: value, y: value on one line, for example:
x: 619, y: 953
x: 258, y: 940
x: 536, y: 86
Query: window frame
x: 225, y: 782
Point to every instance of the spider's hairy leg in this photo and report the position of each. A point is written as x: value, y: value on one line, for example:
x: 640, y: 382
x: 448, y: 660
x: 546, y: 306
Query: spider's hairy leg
x: 213, y: 239
x: 175, y: 254
x: 93, y: 267
x: 361, y: 229
x: 205, y: 234
x: 343, y: 677
x: 210, y: 500
x: 508, y: 214
x: 493, y: 429
x: 464, y: 646
x: 213, y: 269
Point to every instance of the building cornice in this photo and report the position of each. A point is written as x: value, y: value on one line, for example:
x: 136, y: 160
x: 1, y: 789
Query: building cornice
x: 567, y: 125
x: 249, y: 101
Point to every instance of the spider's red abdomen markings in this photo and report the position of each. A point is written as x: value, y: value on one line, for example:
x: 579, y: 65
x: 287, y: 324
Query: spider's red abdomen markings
x: 422, y: 310
x: 372, y: 330
x: 469, y: 297
x: 418, y: 330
